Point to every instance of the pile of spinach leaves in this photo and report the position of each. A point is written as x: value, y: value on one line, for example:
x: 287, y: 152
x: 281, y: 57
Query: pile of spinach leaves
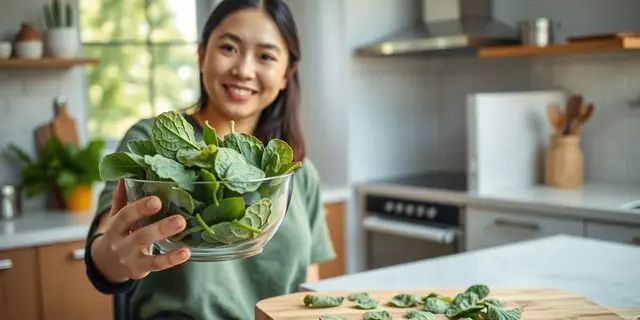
x: 232, y: 205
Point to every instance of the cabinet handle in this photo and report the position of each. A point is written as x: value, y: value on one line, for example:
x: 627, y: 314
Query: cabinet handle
x: 78, y: 254
x: 6, y: 264
x: 516, y: 224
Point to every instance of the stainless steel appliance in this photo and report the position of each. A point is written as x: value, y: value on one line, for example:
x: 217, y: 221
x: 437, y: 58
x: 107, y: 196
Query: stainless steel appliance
x: 410, y: 218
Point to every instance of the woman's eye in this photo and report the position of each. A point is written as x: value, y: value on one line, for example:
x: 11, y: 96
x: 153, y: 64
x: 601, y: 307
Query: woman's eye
x: 228, y: 48
x: 268, y: 57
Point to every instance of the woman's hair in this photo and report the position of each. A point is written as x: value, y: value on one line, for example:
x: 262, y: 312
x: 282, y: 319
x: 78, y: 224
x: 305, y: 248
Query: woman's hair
x: 281, y: 118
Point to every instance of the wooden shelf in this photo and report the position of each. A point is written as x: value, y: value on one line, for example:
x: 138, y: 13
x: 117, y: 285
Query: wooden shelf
x: 583, y: 46
x: 46, y: 62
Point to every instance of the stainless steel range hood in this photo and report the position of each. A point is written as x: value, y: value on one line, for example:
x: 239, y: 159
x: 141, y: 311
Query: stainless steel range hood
x: 448, y: 27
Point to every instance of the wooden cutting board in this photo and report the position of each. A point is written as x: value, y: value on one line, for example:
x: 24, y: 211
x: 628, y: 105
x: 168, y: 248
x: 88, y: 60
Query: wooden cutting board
x: 62, y: 126
x: 541, y: 304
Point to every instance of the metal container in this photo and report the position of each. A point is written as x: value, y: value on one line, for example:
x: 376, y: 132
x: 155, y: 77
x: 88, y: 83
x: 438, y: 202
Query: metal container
x: 537, y: 32
x: 10, y: 202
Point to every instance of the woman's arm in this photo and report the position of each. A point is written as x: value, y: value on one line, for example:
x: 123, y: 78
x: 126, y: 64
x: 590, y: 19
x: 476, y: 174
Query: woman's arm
x: 313, y: 273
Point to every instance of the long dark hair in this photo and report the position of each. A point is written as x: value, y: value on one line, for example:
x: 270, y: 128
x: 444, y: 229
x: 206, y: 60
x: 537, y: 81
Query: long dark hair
x: 281, y: 118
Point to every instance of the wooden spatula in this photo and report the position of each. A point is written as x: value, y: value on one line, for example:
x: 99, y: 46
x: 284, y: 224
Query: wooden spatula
x: 63, y: 126
x: 556, y: 117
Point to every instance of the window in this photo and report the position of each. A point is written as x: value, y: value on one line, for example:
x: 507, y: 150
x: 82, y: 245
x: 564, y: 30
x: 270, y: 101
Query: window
x: 148, y: 60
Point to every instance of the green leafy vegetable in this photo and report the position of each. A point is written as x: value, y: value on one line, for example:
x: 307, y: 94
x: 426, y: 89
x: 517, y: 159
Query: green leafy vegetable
x: 171, y: 132
x: 358, y: 296
x: 377, y: 315
x: 473, y: 303
x: 436, y: 305
x: 495, y: 313
x: 332, y: 318
x: 142, y: 147
x: 420, y: 315
x: 404, y: 300
x: 318, y: 301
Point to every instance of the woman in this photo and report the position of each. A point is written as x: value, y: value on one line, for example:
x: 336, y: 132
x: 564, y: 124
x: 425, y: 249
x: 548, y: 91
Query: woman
x: 248, y: 61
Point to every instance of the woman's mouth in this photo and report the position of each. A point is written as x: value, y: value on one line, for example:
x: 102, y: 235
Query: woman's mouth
x: 238, y: 93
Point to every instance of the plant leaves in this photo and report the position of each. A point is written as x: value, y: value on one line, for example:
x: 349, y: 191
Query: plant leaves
x: 318, y: 301
x: 436, y: 305
x: 170, y: 169
x: 237, y: 175
x: 420, y: 315
x: 494, y: 302
x: 376, y: 315
x: 142, y: 147
x: 247, y: 145
x: 404, y: 300
x: 228, y: 210
x: 204, y: 158
x: 225, y: 158
x: 480, y: 290
x: 496, y: 313
x: 119, y: 165
x: 210, y: 136
x: 366, y: 303
x: 358, y: 296
x: 171, y: 132
x: 276, y: 154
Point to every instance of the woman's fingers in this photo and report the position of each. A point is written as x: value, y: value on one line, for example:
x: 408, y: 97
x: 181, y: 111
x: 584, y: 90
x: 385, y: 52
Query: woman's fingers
x: 119, y: 197
x: 167, y: 227
x: 167, y: 260
x: 133, y: 212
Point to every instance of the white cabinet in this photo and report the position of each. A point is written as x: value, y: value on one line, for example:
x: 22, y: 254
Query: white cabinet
x: 492, y: 227
x: 613, y: 232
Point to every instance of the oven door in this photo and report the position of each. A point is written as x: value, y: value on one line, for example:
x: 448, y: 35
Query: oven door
x: 391, y: 241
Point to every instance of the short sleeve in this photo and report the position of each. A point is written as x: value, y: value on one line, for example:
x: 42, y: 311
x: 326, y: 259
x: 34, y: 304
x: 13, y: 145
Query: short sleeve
x: 321, y: 245
x: 140, y: 130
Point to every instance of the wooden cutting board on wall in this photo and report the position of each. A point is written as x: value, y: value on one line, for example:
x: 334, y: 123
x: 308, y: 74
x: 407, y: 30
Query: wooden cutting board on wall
x: 541, y: 304
x: 62, y: 126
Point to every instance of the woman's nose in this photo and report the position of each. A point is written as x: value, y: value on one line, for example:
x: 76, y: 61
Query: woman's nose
x: 243, y: 69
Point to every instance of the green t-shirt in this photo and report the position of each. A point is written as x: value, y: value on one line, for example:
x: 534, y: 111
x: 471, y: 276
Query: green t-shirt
x: 230, y: 289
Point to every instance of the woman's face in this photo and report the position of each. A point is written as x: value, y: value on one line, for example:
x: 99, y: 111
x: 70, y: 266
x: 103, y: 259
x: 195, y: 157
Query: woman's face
x: 244, y: 64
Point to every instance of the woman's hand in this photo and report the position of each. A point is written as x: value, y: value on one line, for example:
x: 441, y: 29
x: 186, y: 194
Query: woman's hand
x: 122, y: 254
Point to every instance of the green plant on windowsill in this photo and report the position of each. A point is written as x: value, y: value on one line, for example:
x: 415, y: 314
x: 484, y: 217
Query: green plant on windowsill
x: 66, y: 169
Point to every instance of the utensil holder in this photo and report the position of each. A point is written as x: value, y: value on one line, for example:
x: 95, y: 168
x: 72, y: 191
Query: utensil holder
x: 564, y: 162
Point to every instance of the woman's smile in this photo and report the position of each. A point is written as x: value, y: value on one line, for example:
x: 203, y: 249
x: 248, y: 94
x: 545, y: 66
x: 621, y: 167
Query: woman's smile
x: 238, y: 93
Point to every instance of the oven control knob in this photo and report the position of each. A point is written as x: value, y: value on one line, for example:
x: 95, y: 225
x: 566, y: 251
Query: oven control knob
x: 410, y: 209
x: 388, y: 206
x: 399, y: 208
x: 432, y: 212
x: 420, y: 211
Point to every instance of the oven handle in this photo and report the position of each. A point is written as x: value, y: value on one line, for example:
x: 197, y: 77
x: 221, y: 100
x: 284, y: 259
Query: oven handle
x: 410, y: 230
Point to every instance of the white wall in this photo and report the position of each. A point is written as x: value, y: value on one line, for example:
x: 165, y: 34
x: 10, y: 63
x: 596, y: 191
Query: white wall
x: 26, y: 95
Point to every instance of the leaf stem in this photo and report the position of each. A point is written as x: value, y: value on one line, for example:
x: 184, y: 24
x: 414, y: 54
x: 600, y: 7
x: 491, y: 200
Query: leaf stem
x: 204, y: 224
x: 245, y: 226
x: 187, y: 232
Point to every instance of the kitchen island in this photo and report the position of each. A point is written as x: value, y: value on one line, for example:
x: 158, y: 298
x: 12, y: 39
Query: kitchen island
x: 605, y: 272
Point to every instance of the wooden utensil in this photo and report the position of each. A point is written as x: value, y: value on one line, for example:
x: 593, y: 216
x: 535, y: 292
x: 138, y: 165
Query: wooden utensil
x: 572, y: 112
x: 556, y: 117
x: 62, y: 126
x: 541, y: 304
x: 585, y: 114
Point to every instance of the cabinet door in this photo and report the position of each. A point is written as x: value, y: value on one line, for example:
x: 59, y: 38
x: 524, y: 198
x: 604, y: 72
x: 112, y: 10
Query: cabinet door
x: 614, y: 232
x: 66, y: 290
x: 487, y: 228
x: 19, y: 288
x: 335, y: 222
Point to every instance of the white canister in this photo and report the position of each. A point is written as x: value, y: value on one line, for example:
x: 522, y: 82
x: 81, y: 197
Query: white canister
x: 5, y: 49
x: 62, y: 42
x: 29, y: 49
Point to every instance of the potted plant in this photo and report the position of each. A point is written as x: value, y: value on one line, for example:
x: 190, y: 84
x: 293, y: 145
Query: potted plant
x: 65, y: 170
x: 61, y: 37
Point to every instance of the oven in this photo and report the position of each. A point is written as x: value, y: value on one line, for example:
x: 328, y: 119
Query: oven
x: 410, y: 218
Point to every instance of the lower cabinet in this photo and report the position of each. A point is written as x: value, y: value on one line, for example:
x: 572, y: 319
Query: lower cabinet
x: 491, y: 227
x: 613, y: 232
x: 335, y: 223
x: 49, y: 282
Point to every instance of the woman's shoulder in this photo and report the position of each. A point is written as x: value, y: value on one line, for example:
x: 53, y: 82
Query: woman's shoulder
x: 307, y: 175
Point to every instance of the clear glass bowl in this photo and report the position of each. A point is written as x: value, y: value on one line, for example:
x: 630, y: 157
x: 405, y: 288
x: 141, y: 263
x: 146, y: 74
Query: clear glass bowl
x: 238, y: 225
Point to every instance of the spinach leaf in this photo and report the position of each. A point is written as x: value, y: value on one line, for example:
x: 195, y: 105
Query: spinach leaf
x: 254, y: 220
x: 258, y: 214
x: 437, y: 295
x: 288, y: 168
x: 183, y: 200
x: 495, y: 313
x: 480, y: 290
x: 142, y: 147
x: 377, y: 315
x: 171, y: 132
x: 225, y: 158
x: 404, y: 300
x: 239, y: 175
x: 366, y: 303
x: 214, y: 194
x: 247, y: 145
x: 461, y: 312
x: 167, y: 168
x: 436, y: 305
x: 204, y: 158
x: 229, y: 209
x: 317, y: 301
x: 494, y: 302
x: 358, y: 296
x: 332, y: 318
x: 120, y: 165
x: 210, y: 136
x: 420, y: 315
x: 276, y: 154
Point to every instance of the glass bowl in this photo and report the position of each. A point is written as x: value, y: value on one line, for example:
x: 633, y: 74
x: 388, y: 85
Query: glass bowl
x: 222, y: 224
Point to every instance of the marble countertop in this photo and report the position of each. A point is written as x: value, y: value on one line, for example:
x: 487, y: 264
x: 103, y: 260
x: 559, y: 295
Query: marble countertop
x: 604, y: 272
x: 41, y: 228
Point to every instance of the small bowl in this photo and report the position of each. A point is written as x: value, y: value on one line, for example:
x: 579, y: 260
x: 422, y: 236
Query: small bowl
x: 5, y: 49
x: 238, y: 225
x: 31, y: 49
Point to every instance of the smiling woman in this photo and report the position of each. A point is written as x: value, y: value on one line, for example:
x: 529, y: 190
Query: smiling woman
x: 248, y: 60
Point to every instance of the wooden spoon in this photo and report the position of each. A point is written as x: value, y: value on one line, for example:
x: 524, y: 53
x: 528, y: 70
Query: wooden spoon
x: 585, y: 114
x: 573, y: 111
x: 556, y: 117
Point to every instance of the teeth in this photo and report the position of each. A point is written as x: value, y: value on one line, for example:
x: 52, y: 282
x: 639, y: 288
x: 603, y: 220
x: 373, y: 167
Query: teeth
x: 239, y: 91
